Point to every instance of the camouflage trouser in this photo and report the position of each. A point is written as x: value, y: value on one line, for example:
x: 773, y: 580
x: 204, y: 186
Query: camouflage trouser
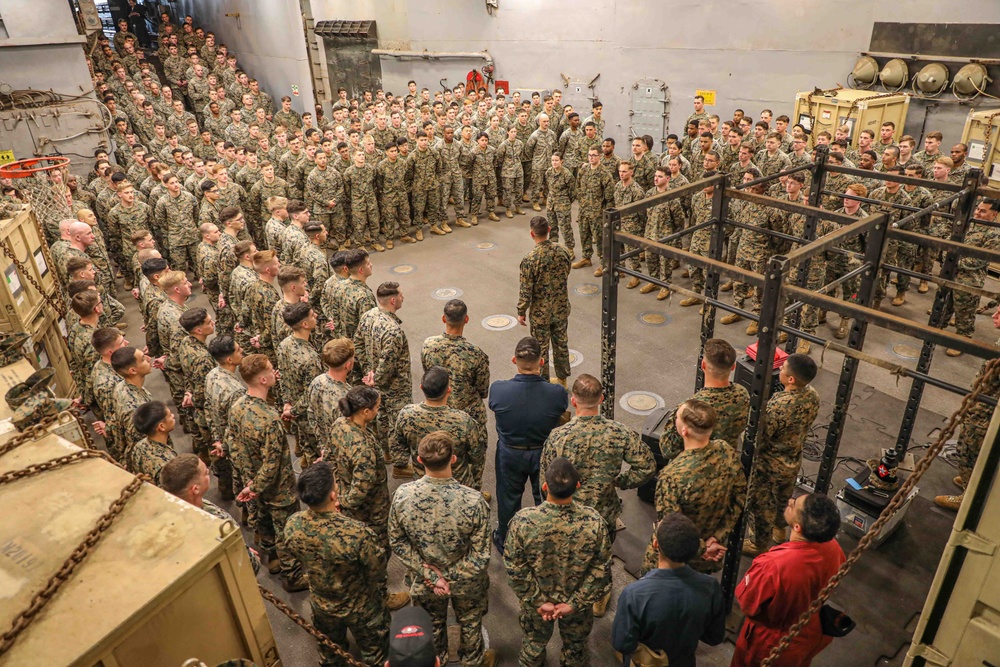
x: 632, y: 225
x: 305, y: 440
x: 479, y: 189
x: 385, y: 420
x: 536, y: 187
x: 427, y: 203
x: 513, y: 186
x: 963, y: 304
x: 552, y: 330
x: 395, y: 216
x: 364, y: 218
x: 335, y: 226
x: 469, y: 612
x: 526, y: 177
x: 573, y: 630
x: 657, y: 265
x: 454, y: 187
x: 256, y: 228
x: 809, y: 319
x: 970, y: 440
x: 836, y: 266
x: 175, y: 380
x: 700, y: 245
x: 906, y: 258
x: 772, y: 483
x: 184, y: 258
x: 271, y: 521
x: 369, y: 627
x: 733, y: 237
x: 562, y: 223
x: 591, y: 227
x: 752, y: 259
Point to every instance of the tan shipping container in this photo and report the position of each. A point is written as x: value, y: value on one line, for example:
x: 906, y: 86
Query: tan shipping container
x: 831, y: 109
x: 980, y: 135
x: 20, y: 299
x: 48, y: 336
x: 168, y: 582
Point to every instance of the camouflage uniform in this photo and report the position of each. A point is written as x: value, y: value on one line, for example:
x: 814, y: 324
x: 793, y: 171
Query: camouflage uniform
x: 196, y: 363
x: 359, y: 185
x: 511, y: 172
x: 795, y: 226
x: 596, y: 447
x: 127, y: 398
x: 394, y: 203
x: 570, y: 148
x: 706, y: 485
x: 484, y: 179
x: 208, y: 269
x: 974, y: 427
x: 293, y: 240
x: 538, y: 149
x: 260, y: 448
x: 732, y: 406
x: 660, y: 222
x: 561, y: 189
x: 753, y: 250
x: 788, y: 418
x: 441, y: 523
x: 632, y: 224
x: 177, y: 216
x: 469, y: 368
x: 364, y: 492
x: 426, y: 168
x: 273, y: 232
x: 770, y: 165
x: 644, y: 169
x: 222, y: 389
x: 103, y: 381
x: 838, y: 264
x: 299, y: 364
x: 381, y: 347
x: 257, y: 198
x: 972, y: 272
x: 908, y: 255
x: 701, y: 240
x: 147, y: 457
x: 544, y: 292
x: 595, y: 191
x: 321, y: 186
x: 258, y: 303
x: 352, y: 299
x: 576, y: 572
x: 322, y: 399
x: 171, y: 333
x: 347, y: 582
x: 82, y: 357
x: 226, y: 268
x: 417, y: 420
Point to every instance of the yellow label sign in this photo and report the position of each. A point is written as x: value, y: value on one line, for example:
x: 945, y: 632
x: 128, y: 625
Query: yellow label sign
x: 6, y: 156
x: 709, y: 96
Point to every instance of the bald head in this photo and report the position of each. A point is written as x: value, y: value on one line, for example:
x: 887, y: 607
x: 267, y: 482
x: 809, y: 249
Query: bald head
x: 64, y: 228
x: 80, y: 233
x: 87, y: 216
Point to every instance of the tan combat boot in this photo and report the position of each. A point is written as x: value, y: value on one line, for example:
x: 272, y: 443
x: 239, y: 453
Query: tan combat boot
x: 598, y: 272
x: 419, y: 235
x: 396, y: 601
x: 726, y: 286
x: 473, y: 220
x: 437, y: 231
x: 949, y: 502
x: 445, y: 227
x: 752, y: 329
x: 582, y: 262
x: 378, y: 247
x: 923, y: 287
x: 493, y: 216
x: 662, y: 294
x: 460, y: 222
x: 633, y: 282
x: 407, y: 239
x: 518, y: 210
x: 690, y: 301
x: 842, y: 331
x: 647, y: 288
x: 802, y: 347
x: 731, y: 318
x: 900, y: 298
x: 510, y: 213
x: 601, y: 606
x: 750, y: 549
x: 536, y: 207
x: 388, y: 244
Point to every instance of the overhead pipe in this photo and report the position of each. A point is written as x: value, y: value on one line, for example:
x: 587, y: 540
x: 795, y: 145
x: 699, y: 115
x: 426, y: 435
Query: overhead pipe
x: 433, y: 55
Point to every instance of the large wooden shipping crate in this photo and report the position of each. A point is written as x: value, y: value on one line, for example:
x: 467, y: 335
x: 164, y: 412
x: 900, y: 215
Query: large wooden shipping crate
x: 829, y: 110
x: 49, y: 345
x: 167, y: 583
x: 982, y: 129
x: 21, y: 300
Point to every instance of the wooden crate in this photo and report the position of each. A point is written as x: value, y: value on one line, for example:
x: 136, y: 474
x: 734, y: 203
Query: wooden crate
x: 844, y: 107
x: 167, y: 583
x: 21, y: 301
x: 49, y: 343
x: 67, y: 426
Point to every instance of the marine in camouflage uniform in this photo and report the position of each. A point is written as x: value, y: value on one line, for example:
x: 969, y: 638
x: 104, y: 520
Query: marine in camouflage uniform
x: 103, y: 381
x: 83, y: 357
x: 468, y: 368
x: 322, y: 398
x: 178, y: 216
x: 196, y: 364
x: 974, y: 427
x: 577, y: 573
x: 634, y: 223
x: 544, y: 298
x: 538, y: 149
x: 127, y: 398
x: 908, y: 255
x: 171, y: 334
x: 358, y: 464
x: 595, y: 191
x: 299, y: 364
x: 382, y: 348
x: 971, y: 272
x: 789, y: 416
x: 359, y: 186
x: 426, y: 167
x: 394, y: 202
x: 208, y: 269
x: 660, y: 222
x: 452, y: 183
x: 351, y: 301
x: 511, y: 173
x: 484, y: 181
x: 701, y: 240
x: 417, y: 420
x: 347, y: 581
x: 323, y: 185
x: 795, y: 226
x: 643, y: 170
x: 732, y: 407
x: 260, y: 447
x: 147, y: 457
x: 561, y: 188
x: 438, y: 523
x: 596, y: 447
x: 706, y: 485
x: 753, y: 251
x: 293, y: 240
x: 222, y: 389
x: 258, y: 304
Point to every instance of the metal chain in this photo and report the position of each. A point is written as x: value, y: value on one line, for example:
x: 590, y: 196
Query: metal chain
x: 991, y: 371
x: 989, y: 129
x: 88, y: 439
x: 309, y: 627
x: 35, y: 432
x: 23, y: 271
x: 45, y: 466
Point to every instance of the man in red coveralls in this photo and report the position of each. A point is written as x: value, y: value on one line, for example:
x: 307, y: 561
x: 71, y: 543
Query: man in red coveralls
x: 781, y: 584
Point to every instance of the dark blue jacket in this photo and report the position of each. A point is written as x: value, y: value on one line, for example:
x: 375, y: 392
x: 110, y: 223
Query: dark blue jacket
x: 527, y: 408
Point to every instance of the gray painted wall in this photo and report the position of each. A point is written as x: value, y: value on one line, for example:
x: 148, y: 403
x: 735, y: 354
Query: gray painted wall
x: 755, y: 53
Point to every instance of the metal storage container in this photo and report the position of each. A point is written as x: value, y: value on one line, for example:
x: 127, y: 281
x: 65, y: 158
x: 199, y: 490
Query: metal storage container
x: 858, y: 109
x: 167, y: 583
x: 980, y: 135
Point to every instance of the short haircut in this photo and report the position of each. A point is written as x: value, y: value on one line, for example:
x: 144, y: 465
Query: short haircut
x: 242, y: 247
x: 77, y: 286
x: 315, y: 484
x: 154, y: 265
x: 275, y: 203
x: 561, y: 478
x: 262, y: 259
x: 698, y: 416
x: 105, y: 338
x: 356, y: 259
x: 386, y: 291
x: 84, y: 303
x: 172, y: 279
x: 819, y: 518
x: 229, y: 214
x: 588, y: 390
x: 192, y: 318
x: 338, y: 352
x: 435, y: 450
x: 148, y: 416
x: 935, y: 135
x: 720, y: 355
x: 289, y: 274
x: 313, y: 229
x: 123, y: 359
x: 252, y: 366
x: 857, y: 189
x: 296, y: 206
x: 528, y: 349
x: 677, y: 537
x: 802, y: 368
x: 222, y: 347
x: 455, y: 312
x: 179, y: 473
x: 435, y: 382
x: 540, y: 225
x: 77, y: 263
x: 295, y: 313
